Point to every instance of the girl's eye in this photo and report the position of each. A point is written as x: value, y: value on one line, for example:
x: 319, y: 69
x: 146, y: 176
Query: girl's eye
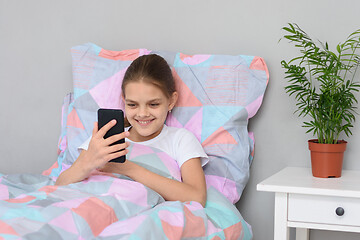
x: 131, y: 105
x: 154, y: 104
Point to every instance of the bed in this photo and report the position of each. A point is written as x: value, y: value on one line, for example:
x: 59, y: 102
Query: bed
x: 218, y: 94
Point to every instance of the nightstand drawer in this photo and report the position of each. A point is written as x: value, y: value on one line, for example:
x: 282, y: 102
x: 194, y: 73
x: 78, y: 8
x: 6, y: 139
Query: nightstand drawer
x: 322, y: 209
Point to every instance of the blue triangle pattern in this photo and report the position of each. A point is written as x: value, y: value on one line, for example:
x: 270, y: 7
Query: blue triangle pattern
x: 216, y: 116
x: 79, y: 92
x: 96, y: 49
x: 248, y: 59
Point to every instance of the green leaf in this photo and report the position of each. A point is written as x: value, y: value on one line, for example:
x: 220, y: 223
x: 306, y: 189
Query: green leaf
x: 322, y: 82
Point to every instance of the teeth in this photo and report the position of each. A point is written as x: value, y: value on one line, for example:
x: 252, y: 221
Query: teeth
x: 144, y: 122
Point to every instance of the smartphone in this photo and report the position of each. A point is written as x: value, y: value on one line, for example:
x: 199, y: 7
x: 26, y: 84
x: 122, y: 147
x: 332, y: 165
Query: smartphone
x: 105, y: 116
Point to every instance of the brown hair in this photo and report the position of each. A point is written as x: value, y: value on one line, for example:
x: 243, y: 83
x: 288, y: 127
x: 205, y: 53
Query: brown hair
x: 150, y: 69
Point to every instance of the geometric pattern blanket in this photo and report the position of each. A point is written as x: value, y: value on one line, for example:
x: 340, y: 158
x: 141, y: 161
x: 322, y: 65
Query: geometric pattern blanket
x: 112, y: 206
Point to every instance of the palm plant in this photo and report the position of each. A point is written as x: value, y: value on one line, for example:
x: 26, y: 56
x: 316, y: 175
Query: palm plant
x: 323, y: 83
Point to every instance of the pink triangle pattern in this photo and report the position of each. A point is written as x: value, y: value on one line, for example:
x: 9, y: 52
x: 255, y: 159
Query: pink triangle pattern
x: 4, y: 192
x: 7, y: 229
x: 171, y: 165
x: 194, y: 125
x: 126, y: 55
x: 107, y: 94
x: 193, y: 206
x: 223, y: 185
x: 173, y: 218
x: 216, y: 238
x: 193, y: 59
x: 62, y: 145
x: 172, y: 121
x: 254, y: 106
x: 124, y: 227
x: 258, y: 63
x: 21, y: 199
x: 124, y: 191
x: 138, y: 150
x: 97, y: 214
x: 171, y: 232
x: 66, y: 222
x: 186, y: 98
x: 48, y: 189
x: 220, y: 136
x: 195, y: 226
x: 234, y: 231
x: 143, y: 51
x: 74, y: 120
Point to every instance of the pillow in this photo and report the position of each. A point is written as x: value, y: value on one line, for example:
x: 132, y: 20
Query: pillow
x: 218, y: 94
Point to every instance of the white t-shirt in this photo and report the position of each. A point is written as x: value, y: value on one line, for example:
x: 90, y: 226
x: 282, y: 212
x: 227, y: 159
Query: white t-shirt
x: 178, y: 143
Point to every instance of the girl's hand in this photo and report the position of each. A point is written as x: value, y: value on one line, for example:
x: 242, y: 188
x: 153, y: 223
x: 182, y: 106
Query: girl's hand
x: 98, y: 154
x: 99, y: 151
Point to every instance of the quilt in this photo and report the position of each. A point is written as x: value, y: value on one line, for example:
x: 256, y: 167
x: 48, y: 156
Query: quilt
x: 112, y: 206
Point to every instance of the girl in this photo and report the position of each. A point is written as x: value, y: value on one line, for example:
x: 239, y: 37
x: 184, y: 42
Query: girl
x: 148, y: 90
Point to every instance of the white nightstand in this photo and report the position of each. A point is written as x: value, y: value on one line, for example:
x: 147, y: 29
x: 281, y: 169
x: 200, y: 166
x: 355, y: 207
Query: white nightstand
x: 306, y: 202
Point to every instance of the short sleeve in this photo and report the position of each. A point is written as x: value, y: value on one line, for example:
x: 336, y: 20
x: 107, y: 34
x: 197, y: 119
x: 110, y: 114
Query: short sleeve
x: 188, y: 147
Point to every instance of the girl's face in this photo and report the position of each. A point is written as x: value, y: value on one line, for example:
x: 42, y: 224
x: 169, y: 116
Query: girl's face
x: 146, y: 108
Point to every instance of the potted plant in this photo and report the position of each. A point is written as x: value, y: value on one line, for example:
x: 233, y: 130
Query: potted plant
x: 323, y: 84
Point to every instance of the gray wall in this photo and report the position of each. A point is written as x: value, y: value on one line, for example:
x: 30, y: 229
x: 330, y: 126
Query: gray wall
x: 35, y: 71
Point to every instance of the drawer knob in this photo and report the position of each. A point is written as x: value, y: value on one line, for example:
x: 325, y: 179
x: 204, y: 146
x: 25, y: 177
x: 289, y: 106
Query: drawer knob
x: 340, y: 211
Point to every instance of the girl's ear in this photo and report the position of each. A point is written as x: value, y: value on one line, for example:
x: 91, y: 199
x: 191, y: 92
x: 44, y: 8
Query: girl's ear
x: 173, y: 100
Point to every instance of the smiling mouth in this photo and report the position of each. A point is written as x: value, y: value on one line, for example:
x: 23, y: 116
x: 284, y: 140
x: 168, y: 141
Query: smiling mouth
x: 144, y: 122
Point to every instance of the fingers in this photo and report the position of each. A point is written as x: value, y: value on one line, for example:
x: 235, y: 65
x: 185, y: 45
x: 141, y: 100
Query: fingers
x: 104, y: 150
x: 116, y: 137
x: 118, y: 154
x: 102, y: 131
x: 95, y: 129
x: 118, y: 147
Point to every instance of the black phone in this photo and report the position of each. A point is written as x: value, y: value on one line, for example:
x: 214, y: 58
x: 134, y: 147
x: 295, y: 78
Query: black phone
x: 106, y: 115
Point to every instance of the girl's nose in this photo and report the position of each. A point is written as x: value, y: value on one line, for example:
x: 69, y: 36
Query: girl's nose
x: 143, y: 112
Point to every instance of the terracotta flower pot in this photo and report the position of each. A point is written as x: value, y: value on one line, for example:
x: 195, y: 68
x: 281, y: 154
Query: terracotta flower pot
x: 326, y: 159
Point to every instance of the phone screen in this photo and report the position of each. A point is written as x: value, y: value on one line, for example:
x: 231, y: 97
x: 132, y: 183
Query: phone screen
x: 105, y: 116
